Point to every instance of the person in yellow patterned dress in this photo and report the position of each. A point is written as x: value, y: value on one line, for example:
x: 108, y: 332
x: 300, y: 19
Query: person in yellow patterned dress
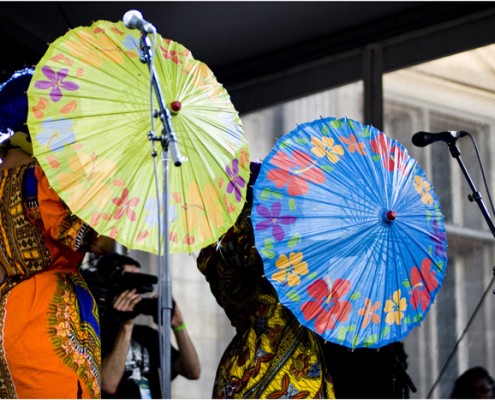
x: 49, y: 329
x: 271, y: 355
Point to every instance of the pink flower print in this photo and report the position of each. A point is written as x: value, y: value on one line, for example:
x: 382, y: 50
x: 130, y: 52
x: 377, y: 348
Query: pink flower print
x: 327, y: 307
x: 273, y: 220
x: 236, y: 181
x: 294, y: 171
x: 56, y: 82
x: 172, y: 55
x: 423, y: 283
x: 125, y: 206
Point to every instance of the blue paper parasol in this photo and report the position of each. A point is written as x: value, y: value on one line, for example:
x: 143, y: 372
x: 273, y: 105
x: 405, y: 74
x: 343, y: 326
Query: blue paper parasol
x: 350, y: 231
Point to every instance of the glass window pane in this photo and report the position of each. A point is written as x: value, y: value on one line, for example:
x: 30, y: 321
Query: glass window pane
x: 263, y: 127
x: 455, y: 93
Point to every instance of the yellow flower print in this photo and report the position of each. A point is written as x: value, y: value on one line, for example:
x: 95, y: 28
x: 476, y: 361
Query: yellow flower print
x: 65, y: 298
x: 290, y: 269
x: 327, y: 147
x: 86, y: 169
x: 78, y: 358
x: 394, y: 309
x: 193, y: 208
x: 66, y: 345
x: 93, y: 48
x: 61, y: 329
x: 423, y: 187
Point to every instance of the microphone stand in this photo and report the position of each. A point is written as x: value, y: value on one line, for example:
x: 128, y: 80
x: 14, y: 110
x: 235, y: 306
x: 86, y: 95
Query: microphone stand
x: 476, y: 195
x: 168, y: 141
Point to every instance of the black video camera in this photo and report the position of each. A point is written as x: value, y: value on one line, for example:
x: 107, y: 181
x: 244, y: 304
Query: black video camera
x: 142, y: 283
x: 109, y: 279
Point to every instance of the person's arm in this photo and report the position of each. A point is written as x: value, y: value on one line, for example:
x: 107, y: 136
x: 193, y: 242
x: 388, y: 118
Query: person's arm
x: 113, y: 364
x: 187, y: 363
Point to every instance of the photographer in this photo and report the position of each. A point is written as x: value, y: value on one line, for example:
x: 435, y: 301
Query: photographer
x: 130, y: 351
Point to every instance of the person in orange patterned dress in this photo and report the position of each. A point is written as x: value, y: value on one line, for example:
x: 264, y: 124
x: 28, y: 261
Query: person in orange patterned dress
x: 272, y: 355
x: 49, y: 329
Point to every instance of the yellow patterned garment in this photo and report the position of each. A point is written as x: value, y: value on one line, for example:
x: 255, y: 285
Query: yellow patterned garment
x: 271, y: 356
x: 49, y: 329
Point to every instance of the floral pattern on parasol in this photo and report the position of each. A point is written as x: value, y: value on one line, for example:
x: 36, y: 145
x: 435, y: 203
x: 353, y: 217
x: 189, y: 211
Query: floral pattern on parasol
x: 90, y: 117
x: 350, y: 232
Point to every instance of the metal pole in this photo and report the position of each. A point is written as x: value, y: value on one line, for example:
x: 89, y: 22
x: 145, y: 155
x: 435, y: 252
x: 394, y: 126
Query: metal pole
x: 165, y: 292
x: 168, y: 142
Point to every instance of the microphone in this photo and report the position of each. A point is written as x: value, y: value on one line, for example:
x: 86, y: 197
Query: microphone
x: 422, y: 139
x: 133, y: 19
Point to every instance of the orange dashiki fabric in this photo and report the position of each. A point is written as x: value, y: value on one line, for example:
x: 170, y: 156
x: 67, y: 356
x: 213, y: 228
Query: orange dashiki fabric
x: 49, y: 328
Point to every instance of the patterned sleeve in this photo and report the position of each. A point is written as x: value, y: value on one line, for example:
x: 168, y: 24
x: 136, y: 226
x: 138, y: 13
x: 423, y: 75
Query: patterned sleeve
x: 60, y: 223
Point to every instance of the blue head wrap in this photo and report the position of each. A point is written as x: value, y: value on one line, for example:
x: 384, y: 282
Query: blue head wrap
x: 14, y: 111
x: 14, y: 103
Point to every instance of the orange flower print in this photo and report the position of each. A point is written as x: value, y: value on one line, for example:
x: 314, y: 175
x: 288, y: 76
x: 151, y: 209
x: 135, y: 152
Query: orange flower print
x: 369, y: 313
x: 38, y: 109
x: 353, y: 144
x: 93, y: 48
x: 86, y: 169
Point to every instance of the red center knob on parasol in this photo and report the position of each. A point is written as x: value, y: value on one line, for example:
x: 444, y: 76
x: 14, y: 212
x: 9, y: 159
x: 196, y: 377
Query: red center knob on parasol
x: 175, y: 106
x: 391, y: 215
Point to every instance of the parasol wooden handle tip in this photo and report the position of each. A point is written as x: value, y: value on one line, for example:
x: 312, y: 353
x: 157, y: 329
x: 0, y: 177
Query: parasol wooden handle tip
x: 389, y: 216
x: 175, y: 106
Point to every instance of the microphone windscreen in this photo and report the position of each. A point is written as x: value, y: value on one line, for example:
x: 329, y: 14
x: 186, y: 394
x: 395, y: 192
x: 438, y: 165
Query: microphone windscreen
x: 131, y: 17
x: 419, y: 139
